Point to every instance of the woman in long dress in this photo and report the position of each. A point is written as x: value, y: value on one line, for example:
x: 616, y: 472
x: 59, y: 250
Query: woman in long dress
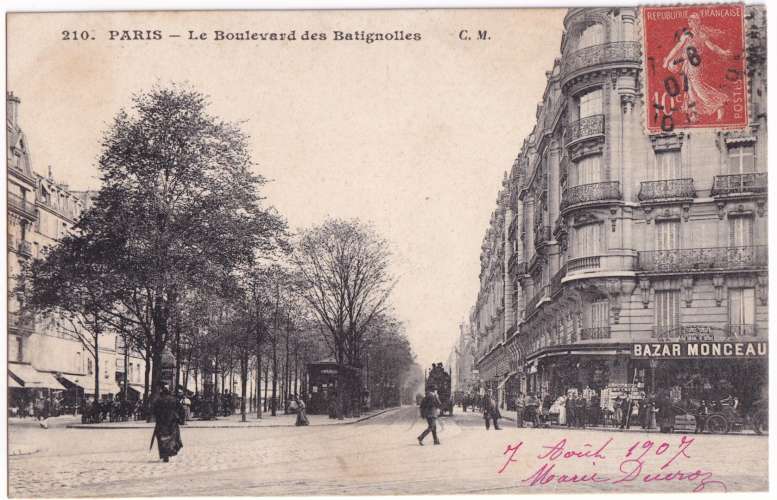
x: 302, y: 417
x: 688, y: 58
x: 166, y: 431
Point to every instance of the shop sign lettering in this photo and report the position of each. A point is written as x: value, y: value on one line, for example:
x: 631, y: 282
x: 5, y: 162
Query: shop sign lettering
x: 699, y: 350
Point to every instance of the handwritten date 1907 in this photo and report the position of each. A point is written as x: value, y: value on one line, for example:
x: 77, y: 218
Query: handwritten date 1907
x: 665, y: 464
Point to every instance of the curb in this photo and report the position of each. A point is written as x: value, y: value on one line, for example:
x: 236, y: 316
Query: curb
x: 234, y: 426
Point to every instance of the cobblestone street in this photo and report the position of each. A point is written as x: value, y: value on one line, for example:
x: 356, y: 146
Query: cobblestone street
x: 376, y: 456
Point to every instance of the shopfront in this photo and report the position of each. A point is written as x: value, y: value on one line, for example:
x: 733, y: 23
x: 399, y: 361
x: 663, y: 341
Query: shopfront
x: 689, y: 371
x: 29, y: 387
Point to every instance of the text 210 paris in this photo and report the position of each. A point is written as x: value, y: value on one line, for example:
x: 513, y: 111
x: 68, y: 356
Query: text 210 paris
x: 643, y: 462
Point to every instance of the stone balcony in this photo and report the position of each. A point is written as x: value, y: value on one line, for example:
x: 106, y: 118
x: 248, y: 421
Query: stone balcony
x: 696, y: 332
x: 623, y: 262
x: 703, y: 259
x: 739, y: 184
x: 600, y: 56
x: 584, y: 128
x: 670, y: 189
x: 594, y: 193
x: 542, y: 234
x: 21, y: 247
x: 22, y: 206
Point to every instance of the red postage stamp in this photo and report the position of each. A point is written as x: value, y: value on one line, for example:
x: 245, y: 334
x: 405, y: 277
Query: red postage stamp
x: 694, y: 73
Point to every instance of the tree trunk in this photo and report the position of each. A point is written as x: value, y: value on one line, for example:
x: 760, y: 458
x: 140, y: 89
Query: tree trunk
x: 274, y: 402
x: 258, y: 381
x: 146, y: 375
x: 243, y: 381
x: 96, y: 365
x: 266, y: 380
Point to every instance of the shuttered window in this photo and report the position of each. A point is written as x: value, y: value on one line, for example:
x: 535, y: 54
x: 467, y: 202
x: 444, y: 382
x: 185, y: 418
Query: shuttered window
x: 740, y: 231
x: 667, y: 235
x: 741, y: 310
x: 667, y: 309
x: 668, y: 165
x: 741, y: 159
x: 588, y: 240
x: 589, y: 170
x: 592, y: 35
x: 591, y: 103
x: 600, y: 314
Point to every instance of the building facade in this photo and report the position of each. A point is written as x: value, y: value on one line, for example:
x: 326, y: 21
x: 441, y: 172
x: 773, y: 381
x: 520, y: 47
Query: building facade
x: 45, y: 357
x: 608, y: 243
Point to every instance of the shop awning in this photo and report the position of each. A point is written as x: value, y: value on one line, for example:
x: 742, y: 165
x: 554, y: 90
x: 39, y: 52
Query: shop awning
x: 34, y: 379
x: 87, y: 383
x: 13, y: 384
x: 505, y: 380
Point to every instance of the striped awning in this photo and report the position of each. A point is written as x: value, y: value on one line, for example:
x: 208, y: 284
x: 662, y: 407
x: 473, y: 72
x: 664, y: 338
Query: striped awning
x: 31, y: 378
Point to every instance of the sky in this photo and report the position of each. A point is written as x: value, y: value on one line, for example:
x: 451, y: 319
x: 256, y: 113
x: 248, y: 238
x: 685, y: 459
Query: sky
x: 413, y: 136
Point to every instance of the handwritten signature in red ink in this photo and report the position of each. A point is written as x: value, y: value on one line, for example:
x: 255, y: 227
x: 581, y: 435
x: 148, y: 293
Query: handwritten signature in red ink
x: 636, y: 465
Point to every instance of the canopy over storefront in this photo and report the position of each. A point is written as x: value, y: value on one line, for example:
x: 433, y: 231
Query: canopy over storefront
x: 30, y: 378
x: 86, y: 382
x: 13, y: 384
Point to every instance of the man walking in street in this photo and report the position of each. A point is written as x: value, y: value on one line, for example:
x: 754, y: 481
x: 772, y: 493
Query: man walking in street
x: 491, y: 411
x: 430, y: 410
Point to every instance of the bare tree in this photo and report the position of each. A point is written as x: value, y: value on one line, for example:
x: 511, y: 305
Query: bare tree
x: 344, y: 278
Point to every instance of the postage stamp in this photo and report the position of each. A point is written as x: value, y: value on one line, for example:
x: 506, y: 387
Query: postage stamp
x: 695, y: 67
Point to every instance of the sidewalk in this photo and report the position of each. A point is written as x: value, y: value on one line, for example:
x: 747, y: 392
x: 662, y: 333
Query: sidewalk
x: 234, y: 422
x: 632, y: 429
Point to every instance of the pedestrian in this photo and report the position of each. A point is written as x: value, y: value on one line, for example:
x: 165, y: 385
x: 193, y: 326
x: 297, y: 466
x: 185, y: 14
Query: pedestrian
x: 617, y: 408
x: 626, y: 413
x: 580, y: 411
x: 167, y: 433
x: 491, y: 412
x: 571, y: 411
x: 43, y: 413
x: 302, y: 417
x: 430, y: 410
x: 520, y: 404
x: 701, y: 417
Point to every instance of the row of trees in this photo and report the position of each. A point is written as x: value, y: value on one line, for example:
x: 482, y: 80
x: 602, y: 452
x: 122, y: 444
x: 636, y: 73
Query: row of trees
x: 178, y: 254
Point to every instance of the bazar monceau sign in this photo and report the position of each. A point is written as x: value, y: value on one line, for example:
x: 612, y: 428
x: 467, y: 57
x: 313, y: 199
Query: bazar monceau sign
x: 701, y: 349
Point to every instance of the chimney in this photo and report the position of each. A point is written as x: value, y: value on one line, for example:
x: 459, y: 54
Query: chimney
x: 12, y: 108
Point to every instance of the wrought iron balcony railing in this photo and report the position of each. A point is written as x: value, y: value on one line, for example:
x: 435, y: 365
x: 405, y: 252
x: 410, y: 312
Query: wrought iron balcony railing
x: 595, y: 333
x: 703, y: 259
x: 666, y: 189
x: 584, y: 264
x: 586, y: 193
x: 606, y: 53
x: 755, y: 182
x: 589, y: 126
x: 21, y: 206
x: 736, y: 331
x: 21, y: 323
x: 544, y: 293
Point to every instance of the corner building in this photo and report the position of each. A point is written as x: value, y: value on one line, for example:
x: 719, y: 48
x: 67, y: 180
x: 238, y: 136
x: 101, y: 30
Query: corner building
x: 628, y: 258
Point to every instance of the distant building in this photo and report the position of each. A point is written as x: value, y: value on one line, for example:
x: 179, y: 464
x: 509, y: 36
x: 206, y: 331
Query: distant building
x: 45, y: 358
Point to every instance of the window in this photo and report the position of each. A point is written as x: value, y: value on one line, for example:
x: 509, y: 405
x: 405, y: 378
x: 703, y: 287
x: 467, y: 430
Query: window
x: 77, y: 366
x: 741, y: 159
x: 589, y: 170
x: 89, y: 368
x: 19, y: 349
x: 740, y: 230
x: 600, y: 314
x: 591, y: 103
x: 588, y: 240
x: 741, y: 311
x: 667, y: 235
x: 592, y: 35
x: 668, y: 165
x: 667, y: 310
